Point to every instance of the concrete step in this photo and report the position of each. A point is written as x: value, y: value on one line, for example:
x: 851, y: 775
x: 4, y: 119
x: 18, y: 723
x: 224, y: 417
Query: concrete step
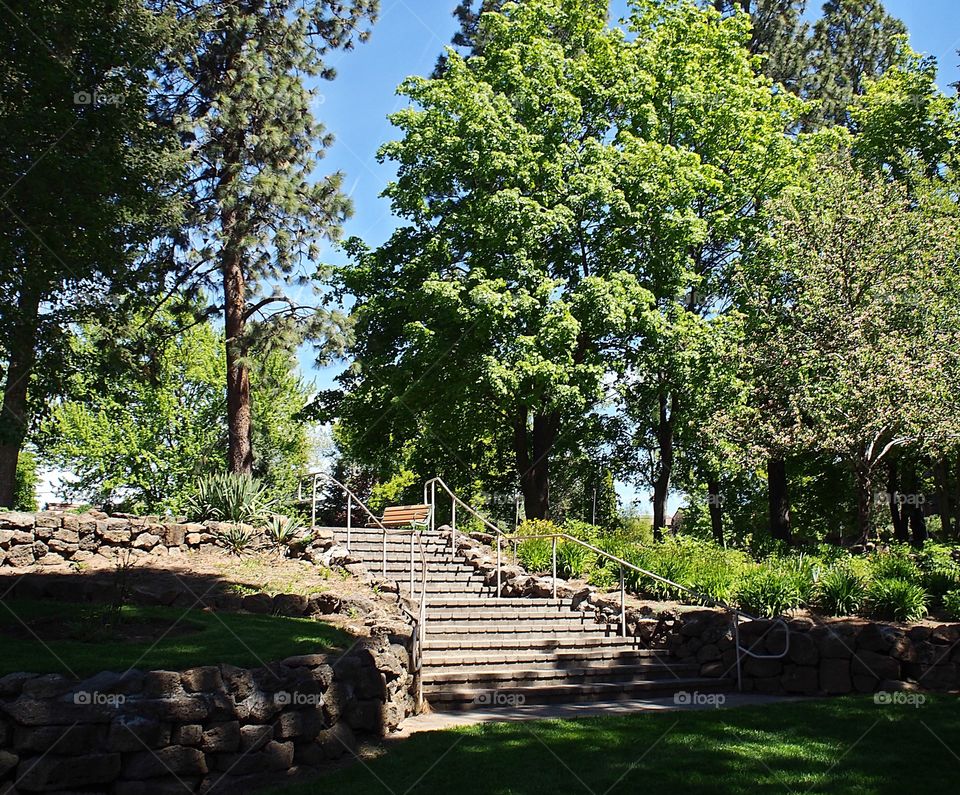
x: 513, y: 628
x: 564, y: 641
x: 461, y: 698
x: 492, y: 602
x: 511, y: 676
x: 535, y: 658
x: 507, y: 614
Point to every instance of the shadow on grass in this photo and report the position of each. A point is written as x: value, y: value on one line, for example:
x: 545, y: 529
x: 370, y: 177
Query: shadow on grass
x: 56, y: 622
x: 847, y: 745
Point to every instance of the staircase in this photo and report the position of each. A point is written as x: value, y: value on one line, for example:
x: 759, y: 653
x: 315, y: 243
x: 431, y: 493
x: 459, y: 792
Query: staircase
x: 480, y: 651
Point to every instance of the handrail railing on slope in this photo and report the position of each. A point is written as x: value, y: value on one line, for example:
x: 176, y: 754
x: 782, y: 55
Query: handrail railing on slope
x: 418, y: 620
x: 708, y: 601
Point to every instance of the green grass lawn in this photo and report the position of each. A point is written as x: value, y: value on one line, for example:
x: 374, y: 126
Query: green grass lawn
x: 73, y: 638
x: 847, y: 745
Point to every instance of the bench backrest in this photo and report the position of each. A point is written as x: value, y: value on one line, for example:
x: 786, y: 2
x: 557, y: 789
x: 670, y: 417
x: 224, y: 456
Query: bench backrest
x: 405, y: 515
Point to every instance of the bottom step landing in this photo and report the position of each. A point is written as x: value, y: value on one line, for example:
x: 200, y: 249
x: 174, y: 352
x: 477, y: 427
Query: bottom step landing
x: 480, y: 697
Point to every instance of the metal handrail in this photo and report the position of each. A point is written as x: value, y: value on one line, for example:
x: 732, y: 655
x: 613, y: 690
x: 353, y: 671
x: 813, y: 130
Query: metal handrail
x: 736, y: 613
x: 418, y: 621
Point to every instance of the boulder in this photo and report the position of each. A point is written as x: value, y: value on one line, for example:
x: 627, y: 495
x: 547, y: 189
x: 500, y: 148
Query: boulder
x: 834, y: 676
x: 132, y: 733
x: 146, y: 541
x: 16, y: 520
x: 176, y: 759
x: 221, y: 737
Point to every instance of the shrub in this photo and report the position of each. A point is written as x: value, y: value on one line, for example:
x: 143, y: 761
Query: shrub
x: 282, y: 531
x: 236, y: 538
x: 939, y: 572
x: 768, y: 591
x: 603, y: 577
x: 951, y: 604
x: 535, y: 555
x: 229, y: 498
x: 537, y: 527
x: 897, y: 599
x: 573, y: 560
x: 895, y: 564
x: 841, y: 591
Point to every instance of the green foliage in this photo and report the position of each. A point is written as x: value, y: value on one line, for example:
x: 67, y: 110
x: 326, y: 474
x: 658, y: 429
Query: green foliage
x: 282, y: 531
x: 768, y: 591
x: 573, y: 560
x: 897, y: 599
x: 25, y: 495
x: 951, y: 604
x: 841, y: 591
x: 228, y: 497
x: 236, y: 538
x: 535, y: 555
x: 894, y: 564
x: 391, y: 492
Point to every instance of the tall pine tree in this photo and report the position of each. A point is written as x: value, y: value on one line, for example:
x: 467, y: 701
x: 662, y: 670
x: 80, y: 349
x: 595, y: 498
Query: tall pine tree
x: 237, y: 83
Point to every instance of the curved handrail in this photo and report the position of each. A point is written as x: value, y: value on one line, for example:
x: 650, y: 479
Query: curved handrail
x: 706, y: 600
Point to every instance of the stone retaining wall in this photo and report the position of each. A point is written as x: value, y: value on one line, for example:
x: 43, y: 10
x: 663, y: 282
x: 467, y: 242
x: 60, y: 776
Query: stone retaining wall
x: 52, y: 538
x: 211, y: 729
x: 831, y: 658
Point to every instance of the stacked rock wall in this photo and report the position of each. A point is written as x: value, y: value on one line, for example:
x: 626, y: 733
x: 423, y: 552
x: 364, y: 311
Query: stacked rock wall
x: 830, y: 658
x: 211, y: 729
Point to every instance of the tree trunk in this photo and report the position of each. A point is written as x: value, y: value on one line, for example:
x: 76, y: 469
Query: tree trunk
x: 661, y: 483
x: 778, y: 499
x: 863, y: 483
x: 956, y: 497
x: 918, y: 525
x: 716, y: 510
x: 898, y: 513
x: 941, y: 472
x: 13, y: 414
x: 532, y: 450
x: 240, y: 448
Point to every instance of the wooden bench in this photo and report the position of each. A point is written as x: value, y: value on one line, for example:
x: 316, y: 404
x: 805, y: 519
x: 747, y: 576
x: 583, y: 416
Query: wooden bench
x: 404, y: 515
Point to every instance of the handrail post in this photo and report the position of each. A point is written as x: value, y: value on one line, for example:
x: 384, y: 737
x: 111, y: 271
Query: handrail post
x: 384, y: 532
x: 499, y: 544
x: 411, y: 564
x: 313, y: 503
x: 349, y: 519
x: 554, y: 567
x: 453, y: 526
x: 433, y: 503
x: 623, y: 605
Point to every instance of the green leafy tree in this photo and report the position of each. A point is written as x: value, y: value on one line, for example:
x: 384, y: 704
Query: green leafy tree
x: 86, y: 171
x: 25, y: 497
x: 861, y: 314
x: 237, y: 85
x: 515, y: 257
x: 146, y: 433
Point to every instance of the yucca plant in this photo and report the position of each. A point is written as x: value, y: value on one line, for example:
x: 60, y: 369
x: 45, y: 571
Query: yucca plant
x: 282, y: 531
x: 535, y: 555
x: 236, y: 538
x: 768, y: 591
x: 229, y: 498
x: 573, y: 560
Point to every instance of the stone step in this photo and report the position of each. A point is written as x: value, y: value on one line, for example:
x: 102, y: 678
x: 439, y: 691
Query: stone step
x: 461, y: 698
x: 564, y: 641
x: 510, y: 676
x: 540, y: 657
x: 546, y: 626
x: 493, y: 602
x: 506, y: 614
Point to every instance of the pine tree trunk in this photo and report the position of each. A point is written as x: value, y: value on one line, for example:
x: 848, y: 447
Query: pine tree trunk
x: 901, y: 527
x: 532, y: 450
x: 778, y: 499
x: 918, y: 525
x: 239, y: 446
x: 661, y: 483
x: 716, y: 510
x: 13, y: 414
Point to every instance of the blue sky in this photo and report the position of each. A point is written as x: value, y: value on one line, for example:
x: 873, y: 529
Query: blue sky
x: 406, y: 41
